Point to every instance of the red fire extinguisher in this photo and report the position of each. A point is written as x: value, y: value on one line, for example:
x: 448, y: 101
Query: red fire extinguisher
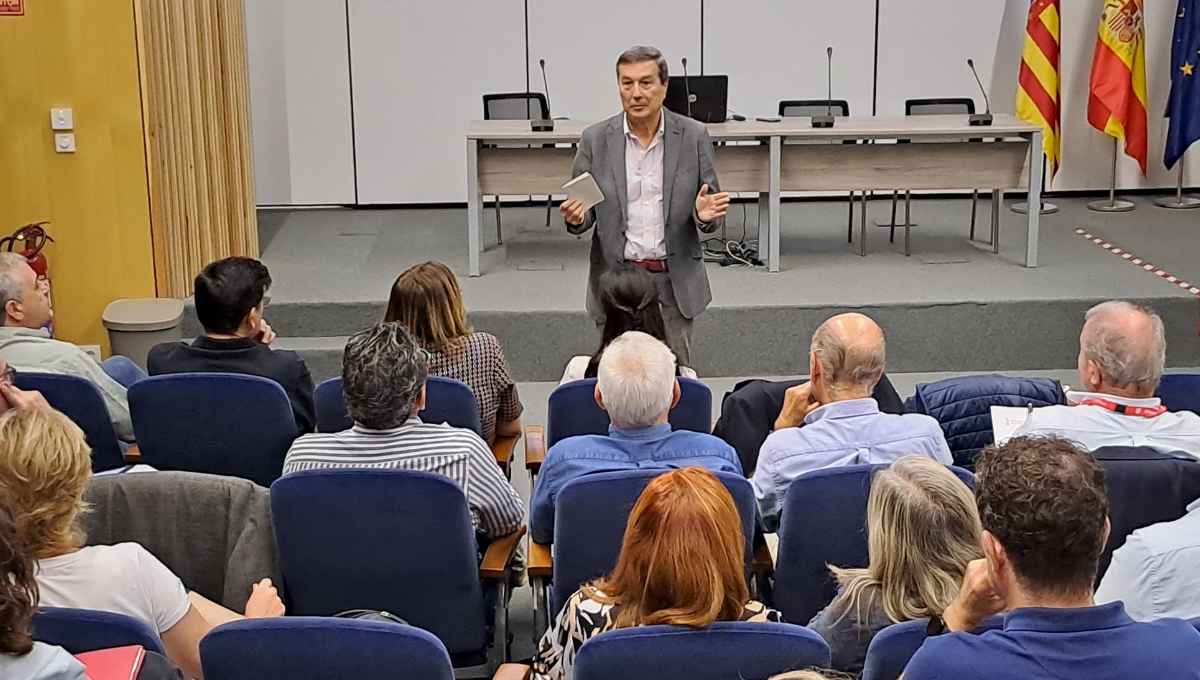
x: 29, y: 241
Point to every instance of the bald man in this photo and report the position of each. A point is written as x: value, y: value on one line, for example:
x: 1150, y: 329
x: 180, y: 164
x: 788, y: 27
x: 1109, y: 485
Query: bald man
x: 1122, y: 351
x: 832, y: 421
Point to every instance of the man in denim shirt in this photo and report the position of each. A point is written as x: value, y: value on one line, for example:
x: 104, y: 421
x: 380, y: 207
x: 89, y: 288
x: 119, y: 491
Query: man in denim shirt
x: 832, y: 421
x: 636, y: 385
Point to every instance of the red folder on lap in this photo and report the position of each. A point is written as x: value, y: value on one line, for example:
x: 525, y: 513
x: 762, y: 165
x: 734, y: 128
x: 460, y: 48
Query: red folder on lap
x: 118, y: 663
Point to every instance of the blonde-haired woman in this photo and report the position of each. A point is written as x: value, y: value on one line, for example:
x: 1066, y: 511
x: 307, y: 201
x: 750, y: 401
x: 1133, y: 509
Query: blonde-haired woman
x: 922, y: 530
x: 681, y: 564
x: 427, y: 301
x: 45, y: 467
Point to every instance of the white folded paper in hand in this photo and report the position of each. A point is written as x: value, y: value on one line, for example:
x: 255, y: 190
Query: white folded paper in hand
x: 584, y: 188
x: 1006, y: 420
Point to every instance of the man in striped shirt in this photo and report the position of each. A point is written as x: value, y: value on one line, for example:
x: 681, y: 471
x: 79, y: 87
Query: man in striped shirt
x: 383, y: 376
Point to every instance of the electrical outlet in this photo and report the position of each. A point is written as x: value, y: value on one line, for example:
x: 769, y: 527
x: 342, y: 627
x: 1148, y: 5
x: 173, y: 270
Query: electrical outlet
x: 62, y: 119
x: 92, y: 351
x: 64, y: 143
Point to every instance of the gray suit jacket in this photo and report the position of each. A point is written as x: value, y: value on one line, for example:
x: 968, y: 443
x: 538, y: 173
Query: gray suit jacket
x: 687, y: 165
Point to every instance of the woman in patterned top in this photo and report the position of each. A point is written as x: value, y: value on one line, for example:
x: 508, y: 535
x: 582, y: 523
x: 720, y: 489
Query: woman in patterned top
x: 681, y: 564
x: 426, y: 299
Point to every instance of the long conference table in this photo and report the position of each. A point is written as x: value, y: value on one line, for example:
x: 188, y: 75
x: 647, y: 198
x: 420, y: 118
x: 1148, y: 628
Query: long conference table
x: 505, y: 157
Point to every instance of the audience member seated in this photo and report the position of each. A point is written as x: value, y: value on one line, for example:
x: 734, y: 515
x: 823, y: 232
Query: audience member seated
x: 230, y: 297
x: 45, y: 467
x: 383, y: 379
x: 1043, y: 507
x: 27, y: 345
x: 426, y: 299
x: 630, y: 302
x: 637, y: 386
x: 922, y: 531
x: 1156, y: 574
x: 13, y: 398
x: 832, y: 420
x: 682, y: 564
x: 1122, y: 350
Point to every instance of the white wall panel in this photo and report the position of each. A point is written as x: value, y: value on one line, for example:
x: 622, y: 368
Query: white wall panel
x: 420, y: 70
x: 775, y: 49
x: 581, y: 40
x: 300, y: 101
x: 924, y: 47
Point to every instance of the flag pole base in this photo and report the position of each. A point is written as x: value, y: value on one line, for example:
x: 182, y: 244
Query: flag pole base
x: 1022, y: 208
x: 1178, y: 202
x: 1113, y: 205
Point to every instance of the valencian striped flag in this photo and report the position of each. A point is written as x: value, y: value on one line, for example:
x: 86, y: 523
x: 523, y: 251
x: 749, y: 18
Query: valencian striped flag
x: 1037, y: 87
x: 1183, y: 108
x: 1117, y: 105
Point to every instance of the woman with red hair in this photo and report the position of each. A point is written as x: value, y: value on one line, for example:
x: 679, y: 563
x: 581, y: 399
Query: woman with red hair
x: 681, y: 564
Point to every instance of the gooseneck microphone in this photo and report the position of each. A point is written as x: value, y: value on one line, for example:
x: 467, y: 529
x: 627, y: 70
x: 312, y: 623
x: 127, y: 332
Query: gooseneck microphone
x: 826, y: 121
x: 980, y: 119
x: 687, y: 88
x: 546, y: 124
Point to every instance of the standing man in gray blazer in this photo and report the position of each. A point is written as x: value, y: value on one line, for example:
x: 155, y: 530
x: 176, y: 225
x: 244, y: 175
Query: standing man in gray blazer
x: 655, y: 169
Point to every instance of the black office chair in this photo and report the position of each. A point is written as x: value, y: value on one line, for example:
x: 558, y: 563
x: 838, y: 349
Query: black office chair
x: 820, y: 107
x: 516, y: 106
x: 931, y: 107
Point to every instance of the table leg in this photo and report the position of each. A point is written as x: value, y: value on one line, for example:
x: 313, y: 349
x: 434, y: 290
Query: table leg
x: 474, y: 209
x: 1035, y: 198
x: 764, y: 228
x: 997, y: 200
x: 773, y: 222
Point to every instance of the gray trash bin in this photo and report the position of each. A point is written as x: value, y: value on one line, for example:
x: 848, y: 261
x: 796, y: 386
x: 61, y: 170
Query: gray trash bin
x: 137, y: 324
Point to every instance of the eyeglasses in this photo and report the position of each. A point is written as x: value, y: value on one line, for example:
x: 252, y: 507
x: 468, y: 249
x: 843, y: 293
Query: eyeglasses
x: 9, y: 376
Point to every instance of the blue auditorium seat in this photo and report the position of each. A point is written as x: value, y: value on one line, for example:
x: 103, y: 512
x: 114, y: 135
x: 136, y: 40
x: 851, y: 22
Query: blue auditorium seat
x: 83, y: 630
x: 81, y: 401
x: 446, y: 401
x: 573, y: 410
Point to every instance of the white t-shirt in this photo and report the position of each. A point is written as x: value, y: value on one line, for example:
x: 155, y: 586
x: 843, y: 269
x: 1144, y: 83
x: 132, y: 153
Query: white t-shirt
x: 1093, y: 426
x: 122, y: 579
x: 42, y: 663
x: 578, y: 366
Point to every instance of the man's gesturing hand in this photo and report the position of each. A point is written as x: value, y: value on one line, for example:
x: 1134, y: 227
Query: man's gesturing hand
x: 572, y: 211
x: 710, y: 207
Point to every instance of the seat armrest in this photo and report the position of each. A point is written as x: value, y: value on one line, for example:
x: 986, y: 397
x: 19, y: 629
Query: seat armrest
x: 541, y: 561
x: 133, y: 455
x: 763, y: 564
x: 503, y: 450
x: 535, y: 447
x: 500, y: 554
x: 513, y: 671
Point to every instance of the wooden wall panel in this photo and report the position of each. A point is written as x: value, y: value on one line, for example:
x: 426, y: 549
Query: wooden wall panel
x: 198, y: 131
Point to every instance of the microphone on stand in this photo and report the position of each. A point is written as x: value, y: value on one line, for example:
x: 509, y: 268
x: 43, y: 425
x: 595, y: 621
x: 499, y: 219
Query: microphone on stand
x: 687, y: 88
x: 980, y: 119
x: 826, y: 121
x: 547, y: 124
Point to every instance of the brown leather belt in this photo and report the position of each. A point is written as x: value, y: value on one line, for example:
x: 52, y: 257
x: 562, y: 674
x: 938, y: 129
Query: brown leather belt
x: 652, y: 266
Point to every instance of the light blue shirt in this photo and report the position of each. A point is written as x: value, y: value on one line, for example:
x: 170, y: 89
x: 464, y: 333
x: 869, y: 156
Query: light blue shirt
x: 839, y: 434
x: 654, y: 447
x: 1157, y: 572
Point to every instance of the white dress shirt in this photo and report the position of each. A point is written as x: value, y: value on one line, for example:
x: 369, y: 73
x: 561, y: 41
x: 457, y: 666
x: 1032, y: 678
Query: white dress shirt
x: 645, y: 226
x: 1094, y: 426
x: 1157, y: 572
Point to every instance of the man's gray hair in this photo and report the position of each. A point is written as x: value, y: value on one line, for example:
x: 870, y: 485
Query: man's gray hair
x: 636, y: 378
x: 640, y: 53
x: 10, y: 287
x: 383, y: 371
x: 1124, y: 361
x: 847, y: 364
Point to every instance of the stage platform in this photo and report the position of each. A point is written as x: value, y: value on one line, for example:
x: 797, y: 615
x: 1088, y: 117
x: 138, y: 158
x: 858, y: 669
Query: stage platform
x: 953, y: 306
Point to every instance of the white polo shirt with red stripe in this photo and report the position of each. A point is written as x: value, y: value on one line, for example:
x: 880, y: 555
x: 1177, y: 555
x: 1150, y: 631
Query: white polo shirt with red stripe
x: 1107, y: 420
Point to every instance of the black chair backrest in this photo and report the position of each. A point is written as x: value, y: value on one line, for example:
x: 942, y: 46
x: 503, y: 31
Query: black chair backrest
x: 939, y: 107
x: 516, y: 106
x: 813, y: 107
x: 1145, y: 487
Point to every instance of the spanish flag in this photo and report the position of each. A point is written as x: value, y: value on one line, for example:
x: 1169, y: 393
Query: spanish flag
x: 1038, y: 84
x: 1117, y: 105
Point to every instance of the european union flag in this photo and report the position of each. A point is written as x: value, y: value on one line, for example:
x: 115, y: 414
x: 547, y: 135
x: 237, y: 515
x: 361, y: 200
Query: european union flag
x: 1183, y: 108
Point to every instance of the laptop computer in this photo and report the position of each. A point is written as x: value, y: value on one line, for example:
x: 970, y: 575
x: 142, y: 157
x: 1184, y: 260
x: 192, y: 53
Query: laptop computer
x: 709, y: 97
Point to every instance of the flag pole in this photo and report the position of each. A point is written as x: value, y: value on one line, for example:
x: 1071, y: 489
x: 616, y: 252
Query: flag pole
x: 1179, y: 201
x: 1022, y: 208
x: 1112, y: 205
